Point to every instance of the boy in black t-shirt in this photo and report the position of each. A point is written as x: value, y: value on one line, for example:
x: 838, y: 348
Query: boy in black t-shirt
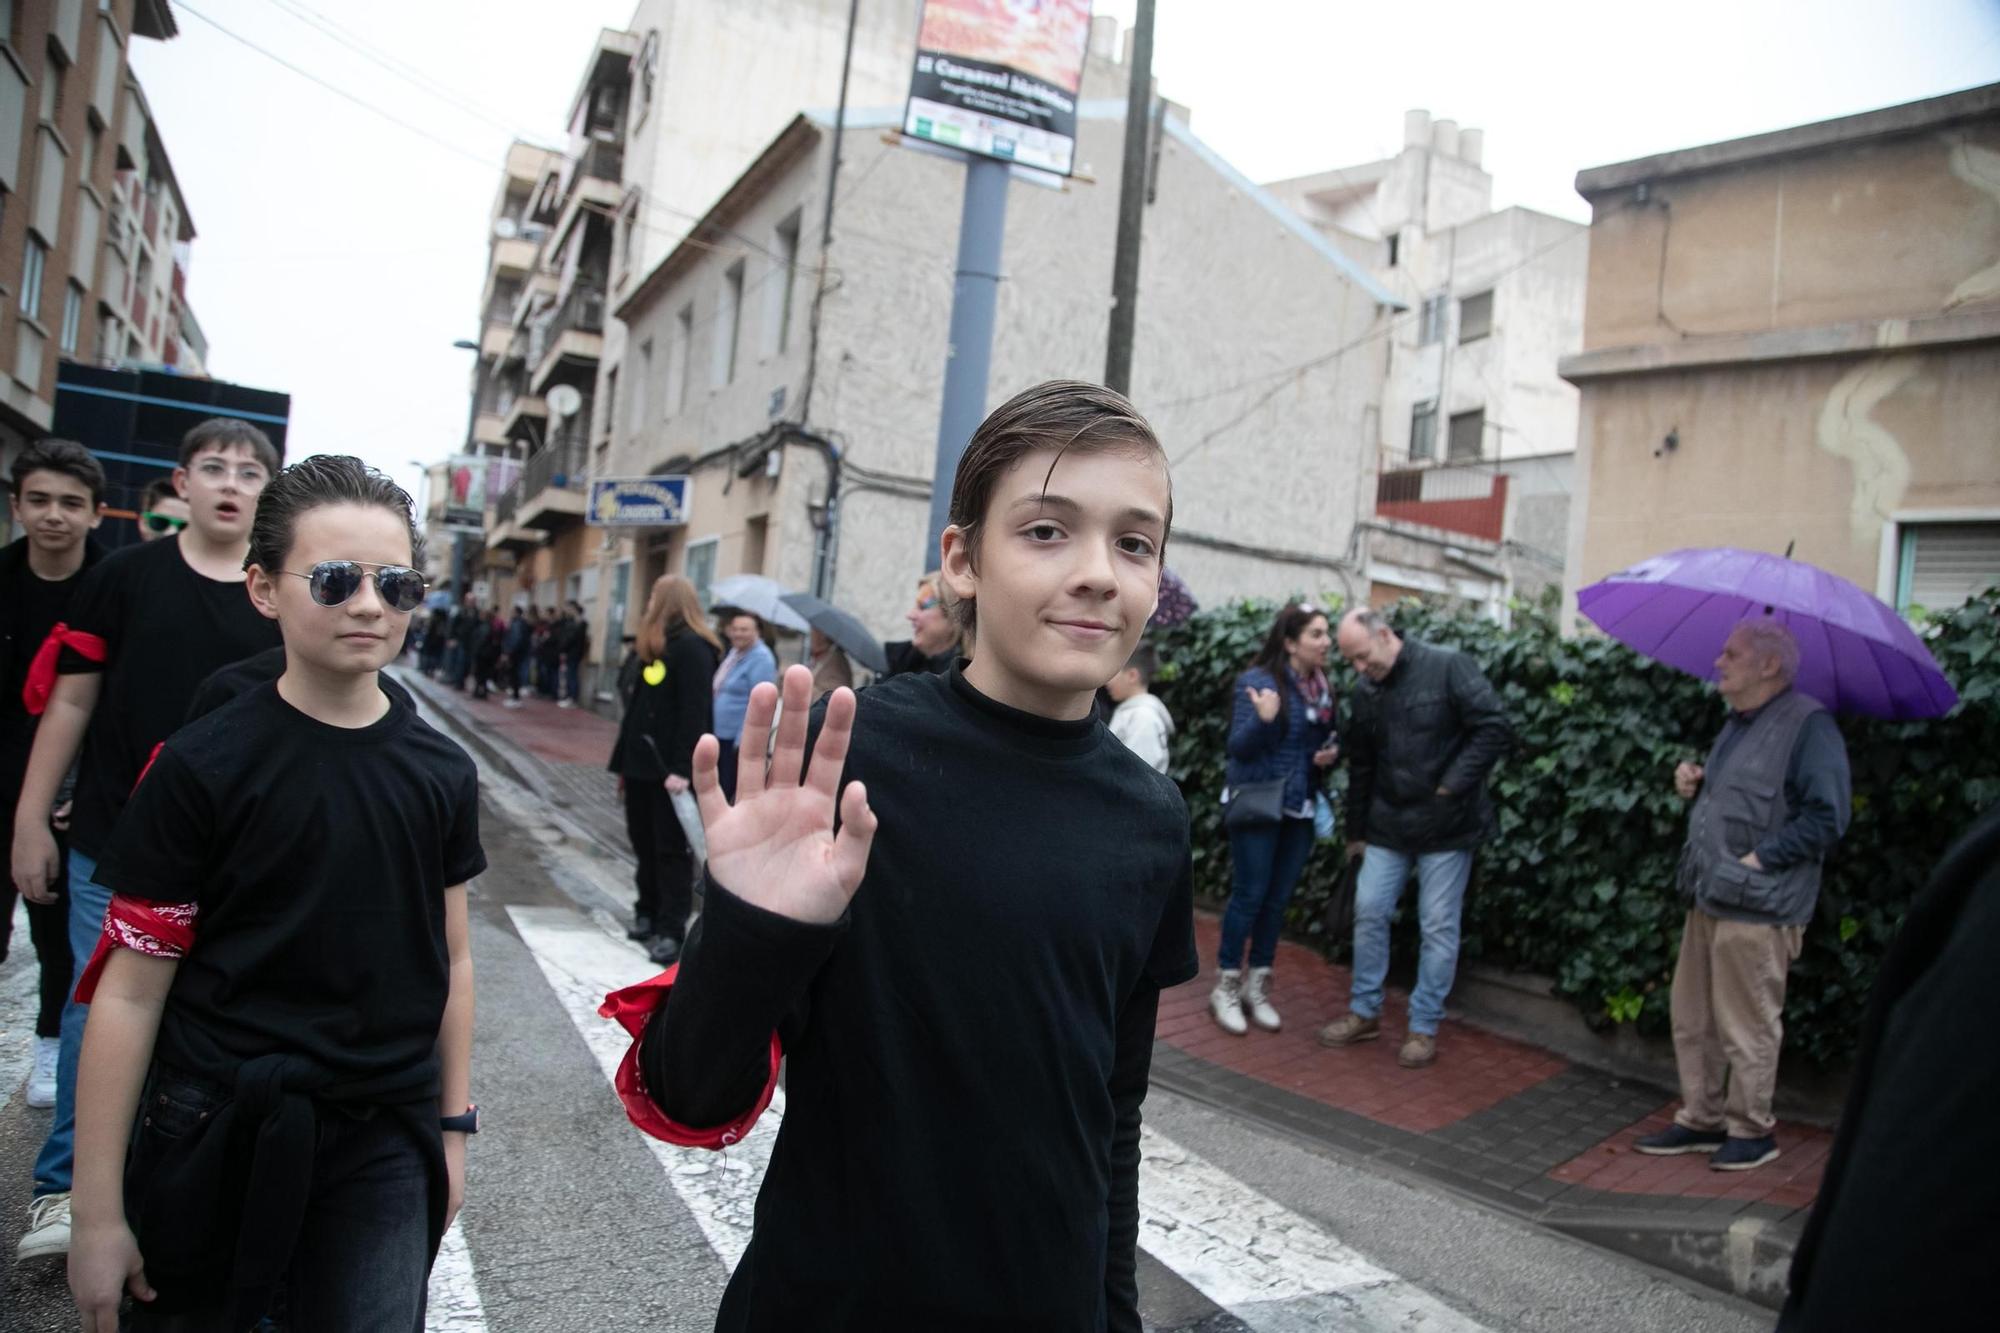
x: 148, y: 622
x: 969, y: 1036
x: 285, y: 976
x: 57, y: 496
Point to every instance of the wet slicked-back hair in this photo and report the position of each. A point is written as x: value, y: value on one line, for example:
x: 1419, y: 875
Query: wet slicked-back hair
x: 1062, y: 415
x: 66, y: 457
x: 323, y: 479
x: 227, y: 432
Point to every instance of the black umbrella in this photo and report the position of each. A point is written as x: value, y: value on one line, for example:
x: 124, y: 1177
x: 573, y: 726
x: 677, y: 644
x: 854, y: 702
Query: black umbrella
x: 848, y: 634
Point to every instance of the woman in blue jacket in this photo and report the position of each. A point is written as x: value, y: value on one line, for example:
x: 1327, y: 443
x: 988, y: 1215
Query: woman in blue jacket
x: 1280, y: 729
x: 749, y: 662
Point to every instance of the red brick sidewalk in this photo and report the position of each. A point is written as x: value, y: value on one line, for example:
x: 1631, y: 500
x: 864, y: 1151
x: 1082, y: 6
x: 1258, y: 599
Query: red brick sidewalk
x: 553, y: 735
x: 1480, y: 1082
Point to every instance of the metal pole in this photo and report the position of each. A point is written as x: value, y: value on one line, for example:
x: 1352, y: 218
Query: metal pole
x: 975, y: 294
x: 1131, y: 206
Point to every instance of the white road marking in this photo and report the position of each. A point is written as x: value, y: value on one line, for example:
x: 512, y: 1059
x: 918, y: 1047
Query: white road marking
x: 1261, y: 1261
x: 454, y: 1294
x: 20, y: 994
x: 583, y: 963
x: 1245, y: 1252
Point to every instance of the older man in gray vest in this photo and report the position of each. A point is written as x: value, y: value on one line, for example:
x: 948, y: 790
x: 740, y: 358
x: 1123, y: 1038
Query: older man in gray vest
x: 1769, y: 805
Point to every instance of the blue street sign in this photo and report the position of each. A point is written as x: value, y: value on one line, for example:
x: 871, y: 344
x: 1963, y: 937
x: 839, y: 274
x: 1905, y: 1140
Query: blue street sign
x: 638, y: 502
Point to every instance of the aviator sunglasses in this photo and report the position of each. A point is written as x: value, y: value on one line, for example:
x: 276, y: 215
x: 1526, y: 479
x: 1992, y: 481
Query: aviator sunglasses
x: 334, y: 581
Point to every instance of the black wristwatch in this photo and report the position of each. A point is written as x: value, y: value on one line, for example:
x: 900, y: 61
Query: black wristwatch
x: 467, y: 1123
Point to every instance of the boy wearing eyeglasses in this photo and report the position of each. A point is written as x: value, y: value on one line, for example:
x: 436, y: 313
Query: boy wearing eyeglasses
x: 282, y: 997
x: 148, y: 624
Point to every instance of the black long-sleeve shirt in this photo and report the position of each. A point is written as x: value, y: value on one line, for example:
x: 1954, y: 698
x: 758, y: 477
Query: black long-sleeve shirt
x: 968, y: 1048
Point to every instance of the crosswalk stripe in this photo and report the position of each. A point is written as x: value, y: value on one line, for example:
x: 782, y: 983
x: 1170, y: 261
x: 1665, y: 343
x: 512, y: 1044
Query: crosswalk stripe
x: 454, y: 1292
x: 583, y: 964
x: 1259, y: 1260
x: 1273, y: 1269
x: 19, y: 987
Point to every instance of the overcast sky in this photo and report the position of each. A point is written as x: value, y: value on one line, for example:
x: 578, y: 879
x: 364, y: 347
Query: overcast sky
x: 340, y: 255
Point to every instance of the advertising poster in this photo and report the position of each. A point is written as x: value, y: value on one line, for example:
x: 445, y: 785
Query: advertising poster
x: 1001, y: 78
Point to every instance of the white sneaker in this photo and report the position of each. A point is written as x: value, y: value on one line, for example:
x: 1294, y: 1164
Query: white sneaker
x: 1226, y: 1001
x: 510, y: 703
x: 42, y: 1083
x: 1256, y: 998
x: 47, y: 1236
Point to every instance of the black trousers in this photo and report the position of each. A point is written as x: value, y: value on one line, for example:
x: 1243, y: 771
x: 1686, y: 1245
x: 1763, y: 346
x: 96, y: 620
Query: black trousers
x: 664, y: 879
x: 48, y: 929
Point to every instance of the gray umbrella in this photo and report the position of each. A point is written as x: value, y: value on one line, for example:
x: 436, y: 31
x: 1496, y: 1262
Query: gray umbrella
x: 848, y: 634
x: 761, y: 597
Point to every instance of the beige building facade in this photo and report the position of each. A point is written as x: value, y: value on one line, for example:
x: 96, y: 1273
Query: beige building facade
x: 1792, y: 341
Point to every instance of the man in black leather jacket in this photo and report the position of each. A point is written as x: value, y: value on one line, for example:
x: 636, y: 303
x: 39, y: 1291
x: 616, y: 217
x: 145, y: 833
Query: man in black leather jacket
x: 1426, y: 730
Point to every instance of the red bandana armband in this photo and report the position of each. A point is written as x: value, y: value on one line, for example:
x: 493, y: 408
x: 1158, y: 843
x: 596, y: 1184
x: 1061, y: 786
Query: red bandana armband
x: 42, y: 669
x: 630, y: 1008
x: 158, y: 930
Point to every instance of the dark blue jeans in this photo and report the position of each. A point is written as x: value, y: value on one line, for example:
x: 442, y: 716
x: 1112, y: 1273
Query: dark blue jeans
x: 1264, y: 865
x: 362, y: 1261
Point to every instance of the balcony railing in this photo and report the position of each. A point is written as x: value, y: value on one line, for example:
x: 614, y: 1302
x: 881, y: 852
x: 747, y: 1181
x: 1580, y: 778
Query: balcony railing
x: 560, y: 466
x: 582, y: 311
x: 1467, y: 499
x: 604, y: 161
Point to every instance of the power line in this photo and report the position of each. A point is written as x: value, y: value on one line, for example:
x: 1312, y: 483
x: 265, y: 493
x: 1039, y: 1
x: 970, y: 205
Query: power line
x: 1290, y: 374
x: 338, y: 91
x: 408, y: 73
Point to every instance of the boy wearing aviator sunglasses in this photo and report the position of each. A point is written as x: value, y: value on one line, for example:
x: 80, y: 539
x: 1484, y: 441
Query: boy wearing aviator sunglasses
x: 283, y: 992
x: 148, y: 623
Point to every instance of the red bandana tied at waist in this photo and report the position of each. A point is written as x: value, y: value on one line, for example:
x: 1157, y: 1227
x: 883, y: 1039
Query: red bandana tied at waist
x: 42, y: 670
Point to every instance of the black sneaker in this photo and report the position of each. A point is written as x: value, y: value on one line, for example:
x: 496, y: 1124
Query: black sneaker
x: 1744, y: 1154
x: 642, y: 929
x: 1677, y: 1139
x: 665, y: 950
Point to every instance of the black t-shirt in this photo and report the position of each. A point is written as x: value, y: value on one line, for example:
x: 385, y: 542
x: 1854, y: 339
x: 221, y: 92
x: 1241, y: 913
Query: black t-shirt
x: 317, y: 857
x: 165, y: 628
x: 239, y: 678
x: 967, y: 1051
x: 33, y: 606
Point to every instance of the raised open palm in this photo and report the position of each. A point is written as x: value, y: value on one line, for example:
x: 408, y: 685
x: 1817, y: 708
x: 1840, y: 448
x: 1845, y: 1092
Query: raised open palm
x: 776, y: 847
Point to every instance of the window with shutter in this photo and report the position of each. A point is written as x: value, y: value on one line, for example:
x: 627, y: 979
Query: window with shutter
x: 1942, y: 564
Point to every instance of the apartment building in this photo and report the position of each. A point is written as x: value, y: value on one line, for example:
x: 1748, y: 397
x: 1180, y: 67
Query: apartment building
x: 94, y: 230
x: 1478, y: 429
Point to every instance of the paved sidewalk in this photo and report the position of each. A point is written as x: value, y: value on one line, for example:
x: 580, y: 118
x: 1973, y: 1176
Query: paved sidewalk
x: 1514, y: 1126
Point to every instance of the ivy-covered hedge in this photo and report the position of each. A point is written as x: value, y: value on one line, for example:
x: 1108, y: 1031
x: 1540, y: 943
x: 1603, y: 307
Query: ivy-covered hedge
x: 1577, y: 883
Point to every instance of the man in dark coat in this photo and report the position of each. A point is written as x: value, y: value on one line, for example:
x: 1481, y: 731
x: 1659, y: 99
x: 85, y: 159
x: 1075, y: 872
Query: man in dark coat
x: 1426, y: 730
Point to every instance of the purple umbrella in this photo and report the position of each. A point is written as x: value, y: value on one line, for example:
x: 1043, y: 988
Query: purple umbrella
x: 1855, y: 653
x: 1176, y: 602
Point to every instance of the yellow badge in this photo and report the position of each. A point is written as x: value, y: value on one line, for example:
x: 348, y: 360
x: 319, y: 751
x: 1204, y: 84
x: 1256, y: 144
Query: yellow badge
x: 654, y: 673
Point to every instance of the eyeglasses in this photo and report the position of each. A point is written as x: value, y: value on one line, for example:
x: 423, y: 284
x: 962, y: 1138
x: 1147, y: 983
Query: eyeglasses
x: 332, y: 582
x: 248, y: 475
x: 162, y: 522
x: 926, y: 603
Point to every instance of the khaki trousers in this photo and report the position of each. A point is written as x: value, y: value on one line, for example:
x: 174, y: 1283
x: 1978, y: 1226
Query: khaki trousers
x: 1728, y: 1011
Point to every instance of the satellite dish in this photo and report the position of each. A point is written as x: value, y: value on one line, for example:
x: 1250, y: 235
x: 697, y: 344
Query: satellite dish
x: 505, y: 229
x: 564, y: 400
